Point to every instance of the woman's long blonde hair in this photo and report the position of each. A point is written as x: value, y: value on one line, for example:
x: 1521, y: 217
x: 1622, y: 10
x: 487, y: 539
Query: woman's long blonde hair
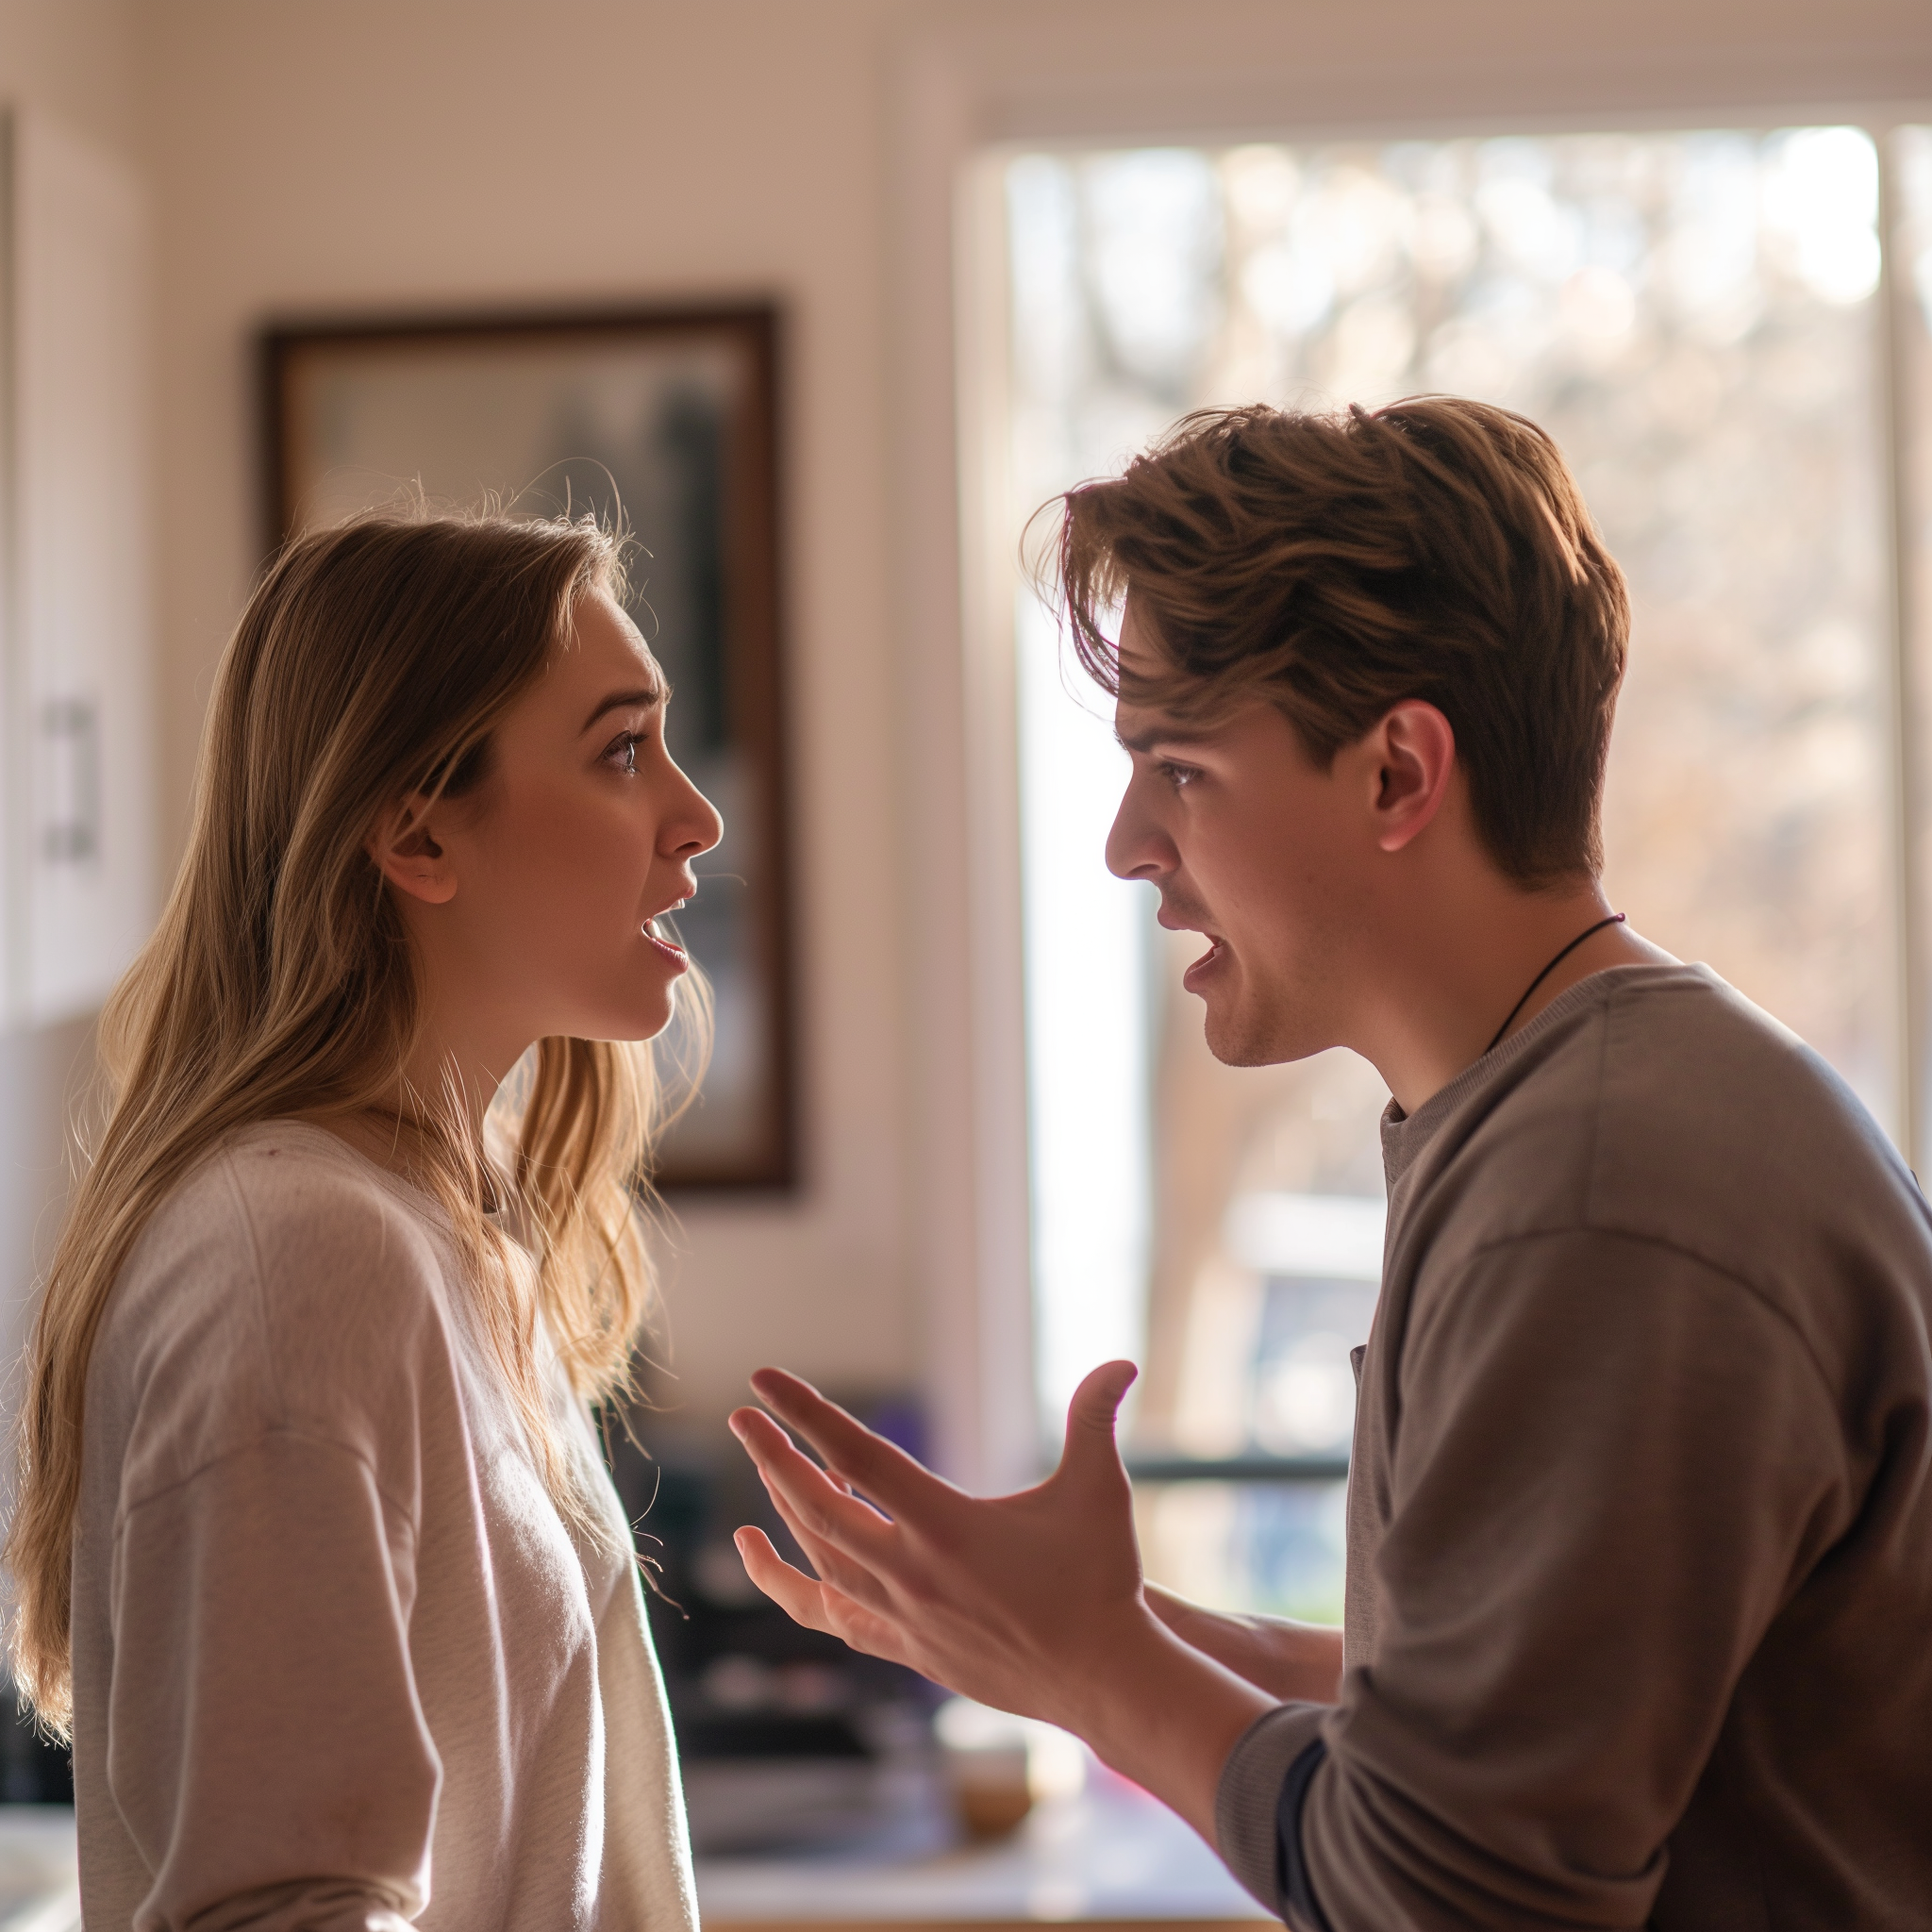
x: 373, y: 661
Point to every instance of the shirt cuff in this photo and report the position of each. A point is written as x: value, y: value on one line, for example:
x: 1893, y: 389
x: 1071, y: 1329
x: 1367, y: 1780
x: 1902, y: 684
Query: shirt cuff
x: 1247, y: 1805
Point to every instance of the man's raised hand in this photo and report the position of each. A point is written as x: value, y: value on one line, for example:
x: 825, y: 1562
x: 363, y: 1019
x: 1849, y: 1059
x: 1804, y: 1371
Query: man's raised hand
x: 1031, y: 1602
x: 1008, y: 1600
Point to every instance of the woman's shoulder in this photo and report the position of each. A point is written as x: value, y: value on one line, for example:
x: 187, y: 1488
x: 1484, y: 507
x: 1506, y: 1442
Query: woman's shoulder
x: 292, y: 1210
x: 290, y: 1178
x: 285, y: 1282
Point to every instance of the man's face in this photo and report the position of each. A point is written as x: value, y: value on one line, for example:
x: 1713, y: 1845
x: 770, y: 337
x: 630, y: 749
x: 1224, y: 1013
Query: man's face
x: 1255, y: 847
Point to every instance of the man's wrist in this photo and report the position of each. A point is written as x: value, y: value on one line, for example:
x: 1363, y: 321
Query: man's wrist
x: 1160, y: 1712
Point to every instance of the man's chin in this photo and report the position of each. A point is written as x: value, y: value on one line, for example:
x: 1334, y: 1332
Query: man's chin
x: 1238, y: 1035
x: 1235, y: 1041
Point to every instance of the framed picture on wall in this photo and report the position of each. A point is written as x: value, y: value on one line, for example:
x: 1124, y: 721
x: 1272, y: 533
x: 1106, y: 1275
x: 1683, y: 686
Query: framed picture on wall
x: 669, y: 416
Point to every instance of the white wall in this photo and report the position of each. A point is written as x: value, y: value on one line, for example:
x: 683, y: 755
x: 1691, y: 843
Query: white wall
x: 324, y: 155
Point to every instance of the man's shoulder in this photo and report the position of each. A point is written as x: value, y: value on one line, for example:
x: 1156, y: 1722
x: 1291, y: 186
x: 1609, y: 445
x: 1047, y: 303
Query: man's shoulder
x: 1662, y: 1106
x: 1707, y: 1122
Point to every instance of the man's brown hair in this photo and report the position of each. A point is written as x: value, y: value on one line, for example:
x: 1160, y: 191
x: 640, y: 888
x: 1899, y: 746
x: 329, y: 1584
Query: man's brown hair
x: 1337, y: 564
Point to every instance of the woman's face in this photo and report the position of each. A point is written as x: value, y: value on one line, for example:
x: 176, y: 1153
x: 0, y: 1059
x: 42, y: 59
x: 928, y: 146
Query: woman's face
x: 534, y: 897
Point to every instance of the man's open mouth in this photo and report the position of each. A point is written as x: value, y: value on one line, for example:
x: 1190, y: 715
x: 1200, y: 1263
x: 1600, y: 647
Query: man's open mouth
x: 1216, y: 951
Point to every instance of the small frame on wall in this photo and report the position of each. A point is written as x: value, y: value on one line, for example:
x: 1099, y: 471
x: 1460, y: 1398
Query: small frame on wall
x: 670, y: 414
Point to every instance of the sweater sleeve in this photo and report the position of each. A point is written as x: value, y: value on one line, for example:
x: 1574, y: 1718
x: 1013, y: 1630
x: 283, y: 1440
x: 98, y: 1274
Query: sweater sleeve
x: 1258, y: 1804
x: 266, y: 1746
x: 1613, y: 1464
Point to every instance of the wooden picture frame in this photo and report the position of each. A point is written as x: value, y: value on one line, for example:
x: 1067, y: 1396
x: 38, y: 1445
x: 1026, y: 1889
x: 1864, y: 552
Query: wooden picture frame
x: 672, y: 414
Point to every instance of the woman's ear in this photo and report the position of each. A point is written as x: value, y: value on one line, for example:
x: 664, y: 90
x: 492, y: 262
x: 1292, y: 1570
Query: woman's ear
x: 405, y: 852
x: 1414, y: 749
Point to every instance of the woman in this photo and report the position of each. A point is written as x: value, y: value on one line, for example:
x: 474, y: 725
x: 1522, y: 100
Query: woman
x: 314, y: 1553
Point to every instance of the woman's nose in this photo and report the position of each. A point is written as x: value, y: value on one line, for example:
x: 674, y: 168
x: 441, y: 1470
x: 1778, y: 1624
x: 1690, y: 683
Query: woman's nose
x: 697, y: 826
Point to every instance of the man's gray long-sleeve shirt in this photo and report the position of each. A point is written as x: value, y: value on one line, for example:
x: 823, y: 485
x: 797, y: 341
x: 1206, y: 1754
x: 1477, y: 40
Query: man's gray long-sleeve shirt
x: 1639, y: 1548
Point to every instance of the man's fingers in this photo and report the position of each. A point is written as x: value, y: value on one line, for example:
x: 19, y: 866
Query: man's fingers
x: 826, y: 1508
x: 814, y: 1604
x: 879, y: 1468
x: 850, y: 1578
x: 793, y: 1591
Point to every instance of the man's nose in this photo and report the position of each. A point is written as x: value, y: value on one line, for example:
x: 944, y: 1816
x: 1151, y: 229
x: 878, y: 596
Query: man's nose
x: 1136, y: 848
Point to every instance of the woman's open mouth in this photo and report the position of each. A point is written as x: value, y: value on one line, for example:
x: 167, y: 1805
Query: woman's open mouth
x: 664, y: 944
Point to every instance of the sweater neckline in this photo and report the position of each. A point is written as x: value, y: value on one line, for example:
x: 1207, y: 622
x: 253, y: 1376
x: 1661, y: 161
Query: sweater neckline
x: 1405, y: 1135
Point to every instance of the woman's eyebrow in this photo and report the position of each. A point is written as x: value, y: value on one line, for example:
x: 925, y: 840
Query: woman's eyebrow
x: 638, y: 700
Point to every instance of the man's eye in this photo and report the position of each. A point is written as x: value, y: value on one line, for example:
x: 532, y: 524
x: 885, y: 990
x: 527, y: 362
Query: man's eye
x: 1178, y: 776
x: 623, y: 751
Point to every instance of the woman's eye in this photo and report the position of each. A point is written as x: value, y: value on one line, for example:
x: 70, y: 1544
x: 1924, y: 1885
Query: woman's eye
x: 624, y: 753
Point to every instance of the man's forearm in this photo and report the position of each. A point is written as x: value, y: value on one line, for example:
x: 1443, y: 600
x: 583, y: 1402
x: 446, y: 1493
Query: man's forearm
x: 1164, y: 1714
x: 1293, y: 1662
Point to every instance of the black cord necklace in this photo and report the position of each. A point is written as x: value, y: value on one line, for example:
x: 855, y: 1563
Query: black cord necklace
x: 1615, y: 919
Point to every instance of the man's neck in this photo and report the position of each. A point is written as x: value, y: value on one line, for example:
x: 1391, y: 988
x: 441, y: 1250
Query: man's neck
x: 1450, y: 981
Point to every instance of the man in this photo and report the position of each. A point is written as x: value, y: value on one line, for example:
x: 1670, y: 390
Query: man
x: 1638, y: 1615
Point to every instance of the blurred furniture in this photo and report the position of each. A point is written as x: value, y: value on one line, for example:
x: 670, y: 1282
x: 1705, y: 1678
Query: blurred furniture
x: 76, y: 818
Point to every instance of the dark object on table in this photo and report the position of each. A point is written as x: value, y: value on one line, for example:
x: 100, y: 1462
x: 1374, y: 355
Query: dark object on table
x: 33, y: 1770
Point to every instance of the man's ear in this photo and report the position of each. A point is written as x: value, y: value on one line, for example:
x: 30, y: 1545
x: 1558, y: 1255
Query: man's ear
x: 406, y: 853
x: 1413, y: 759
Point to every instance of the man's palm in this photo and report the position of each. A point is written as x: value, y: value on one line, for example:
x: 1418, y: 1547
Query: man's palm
x: 998, y: 1598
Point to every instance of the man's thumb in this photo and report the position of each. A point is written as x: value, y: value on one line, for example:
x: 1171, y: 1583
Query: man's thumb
x: 1091, y: 1414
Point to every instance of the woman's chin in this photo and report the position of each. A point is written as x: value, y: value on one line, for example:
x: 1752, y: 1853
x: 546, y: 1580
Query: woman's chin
x: 635, y: 1003
x: 651, y: 1020
x: 631, y: 1023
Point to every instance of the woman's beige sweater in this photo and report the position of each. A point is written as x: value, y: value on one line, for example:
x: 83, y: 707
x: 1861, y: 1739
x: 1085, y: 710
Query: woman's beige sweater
x: 338, y: 1661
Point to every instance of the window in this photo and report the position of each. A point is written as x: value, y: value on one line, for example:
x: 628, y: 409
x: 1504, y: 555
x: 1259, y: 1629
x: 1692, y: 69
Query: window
x: 1730, y: 332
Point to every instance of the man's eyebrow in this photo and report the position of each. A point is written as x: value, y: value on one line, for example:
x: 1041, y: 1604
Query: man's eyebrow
x: 640, y: 700
x: 1144, y: 742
